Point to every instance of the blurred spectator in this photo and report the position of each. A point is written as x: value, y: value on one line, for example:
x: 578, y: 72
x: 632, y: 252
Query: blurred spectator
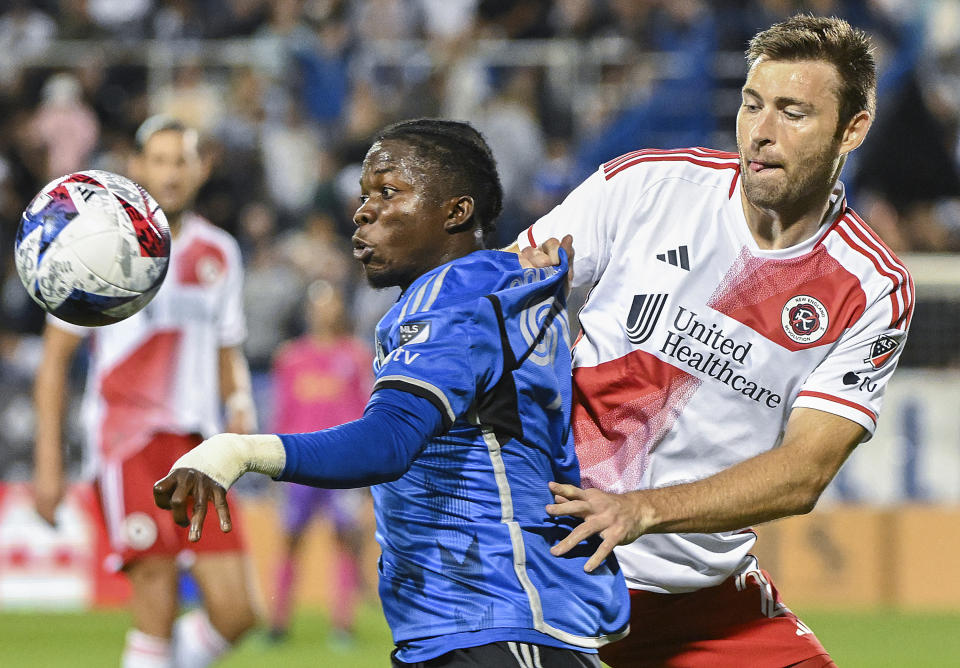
x: 316, y: 251
x: 65, y: 127
x: 291, y: 154
x: 272, y: 290
x: 24, y: 32
x: 191, y: 98
x: 123, y: 19
x: 320, y: 380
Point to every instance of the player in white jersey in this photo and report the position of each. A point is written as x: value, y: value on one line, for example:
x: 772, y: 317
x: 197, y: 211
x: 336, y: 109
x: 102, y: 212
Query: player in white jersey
x: 741, y: 327
x: 154, y: 390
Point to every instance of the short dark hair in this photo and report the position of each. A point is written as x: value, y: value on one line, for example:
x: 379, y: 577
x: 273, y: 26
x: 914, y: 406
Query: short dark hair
x: 464, y: 162
x: 833, y: 40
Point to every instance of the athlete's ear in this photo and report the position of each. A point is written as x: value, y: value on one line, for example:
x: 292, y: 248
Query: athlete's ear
x: 459, y: 214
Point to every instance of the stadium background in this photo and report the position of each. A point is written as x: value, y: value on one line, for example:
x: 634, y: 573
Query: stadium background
x: 287, y: 94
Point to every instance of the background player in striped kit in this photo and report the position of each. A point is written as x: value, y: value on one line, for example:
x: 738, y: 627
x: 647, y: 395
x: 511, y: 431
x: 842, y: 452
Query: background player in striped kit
x: 731, y: 390
x: 155, y: 386
x: 468, y: 421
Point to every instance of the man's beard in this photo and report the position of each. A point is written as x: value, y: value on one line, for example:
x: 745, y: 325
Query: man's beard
x: 793, y: 190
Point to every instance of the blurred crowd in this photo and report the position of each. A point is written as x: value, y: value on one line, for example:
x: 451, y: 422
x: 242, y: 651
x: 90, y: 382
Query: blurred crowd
x: 556, y: 86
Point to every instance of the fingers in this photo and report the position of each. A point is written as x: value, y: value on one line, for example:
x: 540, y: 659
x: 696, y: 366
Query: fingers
x: 568, y: 491
x: 163, y: 490
x: 606, y: 547
x: 199, y: 511
x: 175, y: 491
x: 223, y: 510
x: 579, y: 533
x: 183, y: 490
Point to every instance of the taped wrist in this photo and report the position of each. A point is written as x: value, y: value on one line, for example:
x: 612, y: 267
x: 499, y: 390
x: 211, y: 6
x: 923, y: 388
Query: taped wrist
x: 226, y: 457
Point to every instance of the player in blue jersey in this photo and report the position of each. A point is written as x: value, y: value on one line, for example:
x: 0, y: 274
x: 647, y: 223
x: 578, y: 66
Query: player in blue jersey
x: 467, y: 424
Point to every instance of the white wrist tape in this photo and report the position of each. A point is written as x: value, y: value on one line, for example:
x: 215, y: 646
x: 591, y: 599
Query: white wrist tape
x: 226, y: 457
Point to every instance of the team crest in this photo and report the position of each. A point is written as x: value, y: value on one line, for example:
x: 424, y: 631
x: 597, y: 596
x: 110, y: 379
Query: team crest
x: 644, y: 313
x: 414, y: 332
x: 881, y: 349
x: 804, y: 319
x: 140, y: 531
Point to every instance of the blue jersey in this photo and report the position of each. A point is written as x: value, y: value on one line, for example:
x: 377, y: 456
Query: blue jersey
x: 464, y: 533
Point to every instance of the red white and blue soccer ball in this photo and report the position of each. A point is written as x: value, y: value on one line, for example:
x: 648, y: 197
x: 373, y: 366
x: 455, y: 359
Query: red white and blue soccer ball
x: 93, y: 248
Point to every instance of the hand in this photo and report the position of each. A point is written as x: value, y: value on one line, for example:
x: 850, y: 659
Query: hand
x: 614, y: 516
x: 547, y: 254
x: 175, y: 491
x: 48, y: 492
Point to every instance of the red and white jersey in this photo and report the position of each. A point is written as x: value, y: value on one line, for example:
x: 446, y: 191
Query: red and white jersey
x: 697, y: 344
x: 158, y: 370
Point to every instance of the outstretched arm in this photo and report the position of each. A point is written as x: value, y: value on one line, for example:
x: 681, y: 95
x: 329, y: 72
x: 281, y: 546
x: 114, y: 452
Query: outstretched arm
x: 49, y: 393
x: 377, y: 448
x: 786, y: 480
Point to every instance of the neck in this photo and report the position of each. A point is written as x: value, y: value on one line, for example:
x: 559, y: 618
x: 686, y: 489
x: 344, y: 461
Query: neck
x: 175, y: 223
x: 449, y: 254
x: 323, y: 336
x: 788, y: 226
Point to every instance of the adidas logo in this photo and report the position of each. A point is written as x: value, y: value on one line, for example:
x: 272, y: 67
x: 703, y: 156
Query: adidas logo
x: 678, y: 258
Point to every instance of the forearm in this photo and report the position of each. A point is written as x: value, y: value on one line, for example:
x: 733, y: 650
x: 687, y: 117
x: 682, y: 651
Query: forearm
x: 49, y: 393
x: 234, y: 373
x: 377, y: 448
x: 784, y: 481
x: 236, y: 390
x: 763, y: 488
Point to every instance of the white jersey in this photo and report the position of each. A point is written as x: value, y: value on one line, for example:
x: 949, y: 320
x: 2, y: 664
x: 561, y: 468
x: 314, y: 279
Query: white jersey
x: 158, y: 370
x: 697, y: 344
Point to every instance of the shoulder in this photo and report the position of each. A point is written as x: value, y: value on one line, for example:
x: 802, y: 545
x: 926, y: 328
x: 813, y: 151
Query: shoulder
x: 702, y: 165
x: 883, y: 276
x: 206, y: 232
x: 460, y: 283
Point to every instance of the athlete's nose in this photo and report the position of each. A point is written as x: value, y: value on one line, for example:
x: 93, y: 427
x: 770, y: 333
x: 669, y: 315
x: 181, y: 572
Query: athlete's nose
x: 762, y: 127
x: 364, y: 214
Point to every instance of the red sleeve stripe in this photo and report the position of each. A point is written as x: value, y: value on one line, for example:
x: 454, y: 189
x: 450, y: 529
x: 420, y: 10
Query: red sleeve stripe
x: 843, y: 402
x: 533, y: 243
x: 669, y: 158
x: 906, y: 286
x: 733, y: 182
x: 692, y: 152
x: 857, y: 236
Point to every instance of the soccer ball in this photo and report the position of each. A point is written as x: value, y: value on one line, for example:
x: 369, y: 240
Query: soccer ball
x: 92, y: 248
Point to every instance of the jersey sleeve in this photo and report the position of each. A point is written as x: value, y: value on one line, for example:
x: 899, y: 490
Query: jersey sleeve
x: 449, y: 356
x: 232, y: 329
x: 851, y: 380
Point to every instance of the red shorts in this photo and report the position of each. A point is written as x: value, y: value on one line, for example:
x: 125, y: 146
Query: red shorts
x: 136, y: 526
x: 741, y: 622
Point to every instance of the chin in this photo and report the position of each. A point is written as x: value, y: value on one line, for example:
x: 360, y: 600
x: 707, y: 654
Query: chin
x: 380, y: 279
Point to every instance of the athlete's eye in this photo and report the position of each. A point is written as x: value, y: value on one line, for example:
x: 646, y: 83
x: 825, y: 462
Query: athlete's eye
x: 793, y: 115
x: 363, y: 199
x: 750, y: 107
x: 387, y: 192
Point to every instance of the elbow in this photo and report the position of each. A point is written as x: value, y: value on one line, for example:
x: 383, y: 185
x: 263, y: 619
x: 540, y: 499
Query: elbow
x: 805, y: 499
x: 806, y: 504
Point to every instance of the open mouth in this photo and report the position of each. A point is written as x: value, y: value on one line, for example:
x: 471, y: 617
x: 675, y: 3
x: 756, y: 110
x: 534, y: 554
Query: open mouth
x: 361, y: 251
